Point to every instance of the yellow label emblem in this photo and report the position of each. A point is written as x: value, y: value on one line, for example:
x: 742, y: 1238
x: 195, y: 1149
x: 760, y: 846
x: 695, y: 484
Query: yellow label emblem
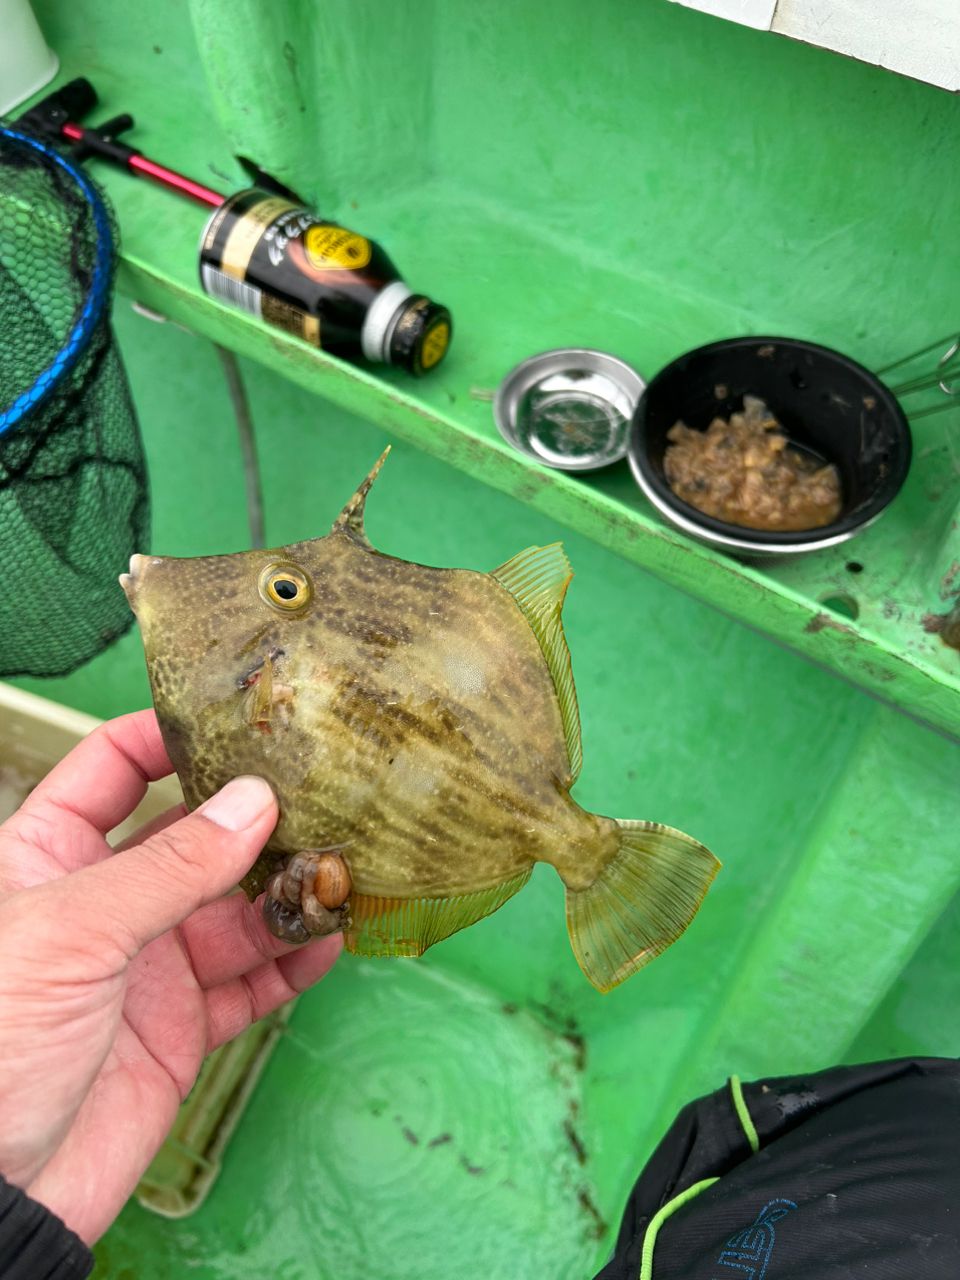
x: 435, y: 345
x: 329, y: 247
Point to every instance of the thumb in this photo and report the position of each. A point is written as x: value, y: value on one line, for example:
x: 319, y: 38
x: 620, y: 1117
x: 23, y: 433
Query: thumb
x: 140, y: 893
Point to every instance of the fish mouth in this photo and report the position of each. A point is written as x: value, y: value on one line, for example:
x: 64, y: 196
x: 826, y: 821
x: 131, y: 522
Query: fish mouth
x: 133, y: 580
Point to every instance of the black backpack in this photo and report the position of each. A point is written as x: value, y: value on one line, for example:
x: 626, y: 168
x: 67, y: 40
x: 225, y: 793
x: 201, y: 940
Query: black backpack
x: 853, y: 1172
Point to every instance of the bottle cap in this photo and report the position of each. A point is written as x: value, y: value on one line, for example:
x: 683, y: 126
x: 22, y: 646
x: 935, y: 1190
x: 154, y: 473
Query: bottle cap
x: 420, y: 335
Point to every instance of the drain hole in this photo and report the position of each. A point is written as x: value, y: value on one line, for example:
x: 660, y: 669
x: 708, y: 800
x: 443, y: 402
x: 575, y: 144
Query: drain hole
x: 846, y: 606
x: 854, y: 566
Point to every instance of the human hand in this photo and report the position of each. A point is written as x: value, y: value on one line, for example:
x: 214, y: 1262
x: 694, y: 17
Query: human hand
x: 118, y: 974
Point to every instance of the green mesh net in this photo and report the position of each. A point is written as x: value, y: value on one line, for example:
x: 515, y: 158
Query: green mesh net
x: 73, y: 487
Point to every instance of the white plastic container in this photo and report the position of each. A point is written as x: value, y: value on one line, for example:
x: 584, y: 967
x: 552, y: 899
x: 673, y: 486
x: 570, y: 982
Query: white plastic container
x: 26, y: 63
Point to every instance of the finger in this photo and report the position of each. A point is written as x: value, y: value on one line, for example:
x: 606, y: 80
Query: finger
x: 228, y: 938
x: 159, y: 823
x: 232, y: 1006
x: 68, y: 843
x: 308, y: 964
x: 105, y: 777
x: 128, y: 900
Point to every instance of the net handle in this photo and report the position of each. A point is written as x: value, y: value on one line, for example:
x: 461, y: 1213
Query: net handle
x: 85, y: 325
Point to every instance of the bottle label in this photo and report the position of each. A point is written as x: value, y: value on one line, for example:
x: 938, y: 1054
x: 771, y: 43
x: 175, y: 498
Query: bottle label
x: 247, y: 232
x: 291, y: 320
x: 230, y: 290
x: 297, y: 272
x: 326, y: 246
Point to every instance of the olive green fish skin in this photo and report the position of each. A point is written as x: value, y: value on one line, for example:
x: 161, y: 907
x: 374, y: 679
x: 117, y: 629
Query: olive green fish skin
x: 412, y: 718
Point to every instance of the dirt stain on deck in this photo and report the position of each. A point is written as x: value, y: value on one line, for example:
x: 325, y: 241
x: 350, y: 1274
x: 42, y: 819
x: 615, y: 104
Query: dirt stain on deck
x: 944, y: 625
x: 598, y: 1224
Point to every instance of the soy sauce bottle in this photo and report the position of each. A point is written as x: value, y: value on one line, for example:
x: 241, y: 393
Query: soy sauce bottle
x: 329, y: 286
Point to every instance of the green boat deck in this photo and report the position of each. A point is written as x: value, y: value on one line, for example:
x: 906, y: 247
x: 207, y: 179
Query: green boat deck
x: 639, y: 178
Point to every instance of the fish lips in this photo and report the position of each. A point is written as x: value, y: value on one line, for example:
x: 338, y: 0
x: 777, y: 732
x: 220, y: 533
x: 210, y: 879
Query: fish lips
x: 132, y: 582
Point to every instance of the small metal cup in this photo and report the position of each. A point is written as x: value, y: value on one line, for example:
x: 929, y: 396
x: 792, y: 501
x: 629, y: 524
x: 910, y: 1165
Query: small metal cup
x: 569, y: 409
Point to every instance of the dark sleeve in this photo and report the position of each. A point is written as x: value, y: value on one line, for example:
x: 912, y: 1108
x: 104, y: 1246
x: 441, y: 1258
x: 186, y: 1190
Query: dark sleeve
x: 853, y: 1171
x: 35, y: 1244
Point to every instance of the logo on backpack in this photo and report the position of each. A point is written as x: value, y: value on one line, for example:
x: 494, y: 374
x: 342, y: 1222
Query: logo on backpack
x: 748, y: 1251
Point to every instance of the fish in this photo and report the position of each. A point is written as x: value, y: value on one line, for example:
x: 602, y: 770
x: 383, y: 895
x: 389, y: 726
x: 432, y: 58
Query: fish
x: 420, y: 729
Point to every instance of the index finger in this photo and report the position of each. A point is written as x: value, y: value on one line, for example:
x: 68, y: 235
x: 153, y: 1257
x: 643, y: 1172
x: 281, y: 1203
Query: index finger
x: 105, y: 777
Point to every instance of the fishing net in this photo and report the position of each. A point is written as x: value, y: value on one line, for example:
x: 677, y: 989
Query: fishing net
x: 73, y: 487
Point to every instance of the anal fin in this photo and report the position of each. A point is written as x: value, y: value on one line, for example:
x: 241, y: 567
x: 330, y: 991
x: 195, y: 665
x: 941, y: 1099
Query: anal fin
x: 408, y: 926
x: 538, y: 578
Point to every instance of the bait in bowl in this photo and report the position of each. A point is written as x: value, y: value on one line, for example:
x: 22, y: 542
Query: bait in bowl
x: 827, y: 403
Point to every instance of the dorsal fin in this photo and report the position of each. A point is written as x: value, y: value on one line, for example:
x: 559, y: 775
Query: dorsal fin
x: 538, y: 579
x: 350, y: 519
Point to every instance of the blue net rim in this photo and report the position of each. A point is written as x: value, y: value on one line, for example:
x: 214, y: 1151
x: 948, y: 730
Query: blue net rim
x: 84, y: 327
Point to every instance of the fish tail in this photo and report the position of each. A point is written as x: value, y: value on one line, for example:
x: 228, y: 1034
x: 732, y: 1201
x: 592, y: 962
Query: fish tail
x: 640, y: 902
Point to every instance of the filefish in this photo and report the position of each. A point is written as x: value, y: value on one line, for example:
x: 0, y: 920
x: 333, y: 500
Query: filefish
x: 420, y: 729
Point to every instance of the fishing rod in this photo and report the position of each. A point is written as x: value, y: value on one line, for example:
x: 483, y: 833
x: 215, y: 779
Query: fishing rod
x: 58, y: 116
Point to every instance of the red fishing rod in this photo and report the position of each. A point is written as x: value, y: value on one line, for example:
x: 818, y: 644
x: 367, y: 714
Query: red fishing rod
x: 136, y: 162
x: 58, y: 117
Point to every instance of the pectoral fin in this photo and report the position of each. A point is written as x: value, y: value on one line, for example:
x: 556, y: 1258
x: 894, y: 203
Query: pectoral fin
x: 407, y: 926
x: 538, y: 579
x: 257, y: 704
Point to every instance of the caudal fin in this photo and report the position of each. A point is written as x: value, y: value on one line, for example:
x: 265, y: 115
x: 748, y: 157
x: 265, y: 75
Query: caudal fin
x: 641, y: 901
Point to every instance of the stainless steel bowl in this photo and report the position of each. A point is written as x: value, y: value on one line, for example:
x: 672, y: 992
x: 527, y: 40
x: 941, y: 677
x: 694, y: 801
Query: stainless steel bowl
x: 569, y: 409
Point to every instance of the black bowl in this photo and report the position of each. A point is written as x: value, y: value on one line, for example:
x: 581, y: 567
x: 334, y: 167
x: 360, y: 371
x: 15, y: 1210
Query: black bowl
x: 825, y: 402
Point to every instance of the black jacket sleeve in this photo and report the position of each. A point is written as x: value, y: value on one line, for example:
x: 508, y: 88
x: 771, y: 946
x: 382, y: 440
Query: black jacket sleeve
x: 35, y: 1244
x: 853, y: 1171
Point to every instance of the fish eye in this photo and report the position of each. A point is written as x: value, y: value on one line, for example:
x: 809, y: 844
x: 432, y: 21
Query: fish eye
x: 285, y: 587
